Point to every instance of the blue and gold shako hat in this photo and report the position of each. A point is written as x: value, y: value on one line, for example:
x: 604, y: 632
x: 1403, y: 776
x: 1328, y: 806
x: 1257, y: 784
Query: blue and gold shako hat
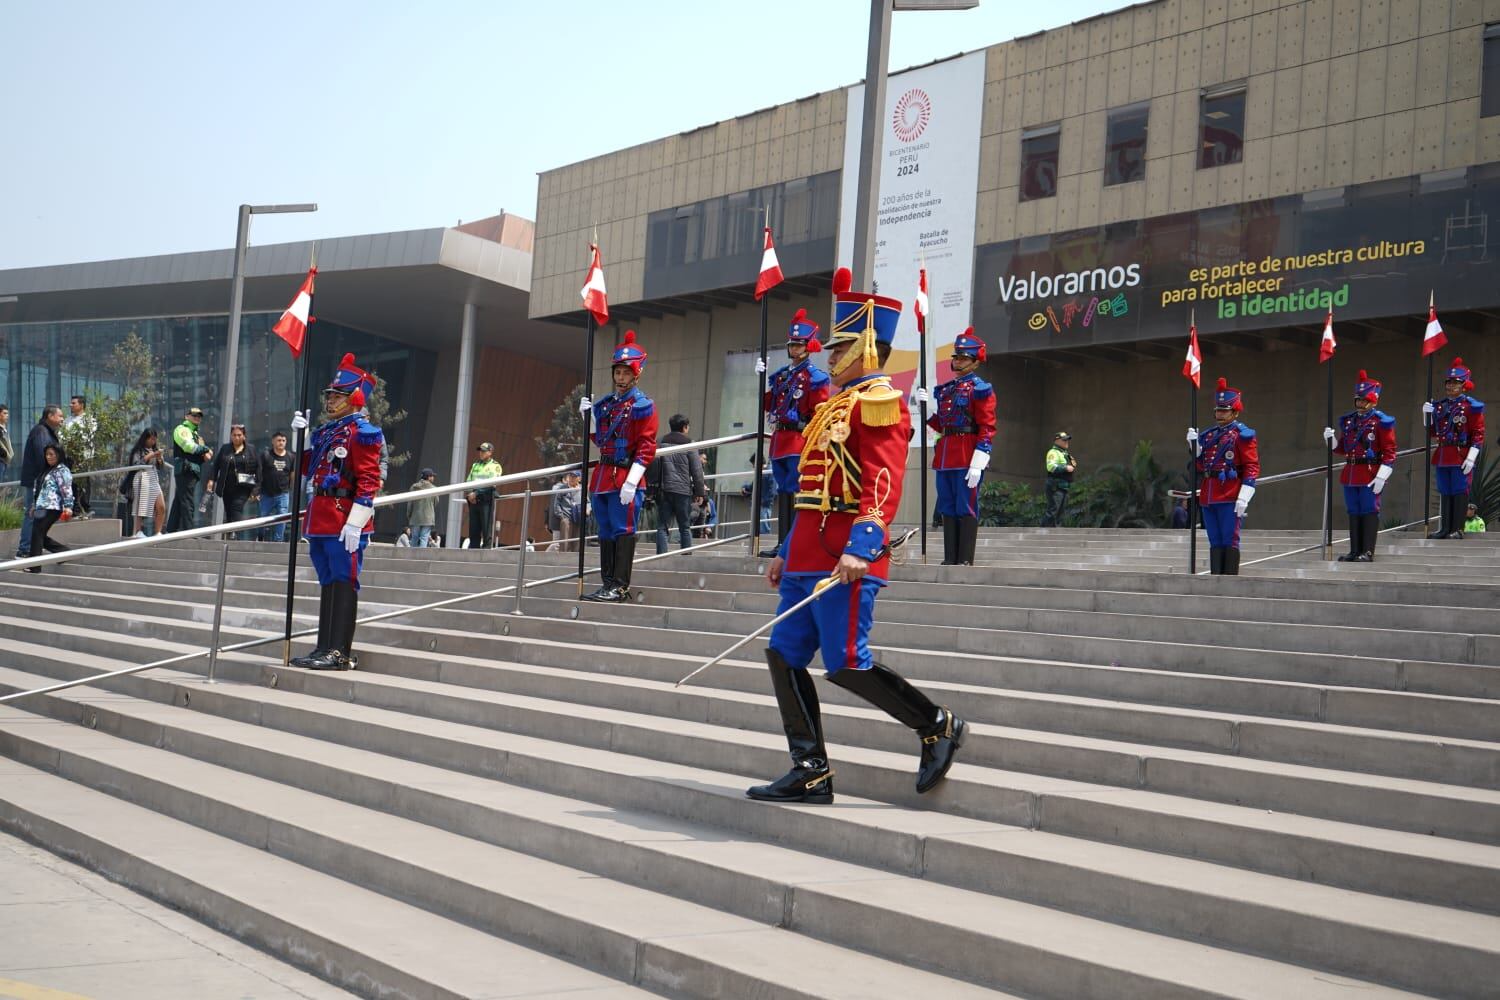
x: 353, y: 381
x: 1226, y: 398
x: 856, y: 312
x: 969, y: 346
x: 630, y: 353
x: 1367, y: 388
x: 803, y: 331
x: 1459, y: 372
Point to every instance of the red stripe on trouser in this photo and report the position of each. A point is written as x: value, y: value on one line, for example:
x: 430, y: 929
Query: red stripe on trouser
x: 630, y: 518
x: 851, y: 638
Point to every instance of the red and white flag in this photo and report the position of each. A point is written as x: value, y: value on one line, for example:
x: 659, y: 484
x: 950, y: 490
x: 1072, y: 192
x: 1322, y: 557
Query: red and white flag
x: 1192, y: 367
x: 921, y: 306
x: 292, y: 326
x: 1329, y: 345
x: 595, y: 299
x: 770, y: 269
x: 1434, y: 339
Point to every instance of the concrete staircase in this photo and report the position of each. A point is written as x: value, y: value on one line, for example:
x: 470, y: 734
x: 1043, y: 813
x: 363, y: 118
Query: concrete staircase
x: 1298, y: 798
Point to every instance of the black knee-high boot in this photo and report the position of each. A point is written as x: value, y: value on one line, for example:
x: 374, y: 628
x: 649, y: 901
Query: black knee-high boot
x: 624, y: 563
x: 1231, y: 562
x: 345, y: 608
x: 784, y: 515
x: 1457, y: 516
x: 950, y: 541
x: 968, y: 539
x: 1356, y: 539
x: 1368, y: 535
x: 1445, y: 524
x: 1215, y: 561
x: 325, y: 611
x: 606, y: 570
x: 810, y: 779
x: 941, y: 731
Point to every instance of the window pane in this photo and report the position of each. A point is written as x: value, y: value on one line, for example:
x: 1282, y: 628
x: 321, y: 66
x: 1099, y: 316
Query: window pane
x: 1489, y: 100
x: 1039, y: 165
x: 1222, y: 130
x: 1125, y: 145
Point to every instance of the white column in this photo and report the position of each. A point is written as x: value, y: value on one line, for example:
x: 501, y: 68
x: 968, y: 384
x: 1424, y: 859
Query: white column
x: 463, y: 401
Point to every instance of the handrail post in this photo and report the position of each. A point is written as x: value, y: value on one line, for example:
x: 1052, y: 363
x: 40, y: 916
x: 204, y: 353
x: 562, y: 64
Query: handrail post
x: 213, y: 645
x: 521, y: 555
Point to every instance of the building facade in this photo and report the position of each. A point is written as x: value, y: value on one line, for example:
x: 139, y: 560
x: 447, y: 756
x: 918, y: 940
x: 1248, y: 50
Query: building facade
x: 1244, y: 164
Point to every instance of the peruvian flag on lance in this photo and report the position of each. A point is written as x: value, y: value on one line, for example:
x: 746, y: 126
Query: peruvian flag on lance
x: 292, y: 326
x: 770, y: 268
x: 1328, y: 344
x: 1192, y: 368
x: 595, y: 299
x: 1434, y: 339
x: 921, y: 305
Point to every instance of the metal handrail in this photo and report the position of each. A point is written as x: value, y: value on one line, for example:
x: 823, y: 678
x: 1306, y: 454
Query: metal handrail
x: 1319, y: 545
x: 85, y: 475
x: 706, y: 479
x: 389, y: 500
x: 383, y: 616
x: 1321, y: 470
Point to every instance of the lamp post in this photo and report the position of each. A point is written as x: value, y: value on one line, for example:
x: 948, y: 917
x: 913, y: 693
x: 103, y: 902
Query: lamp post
x: 867, y: 193
x: 236, y: 302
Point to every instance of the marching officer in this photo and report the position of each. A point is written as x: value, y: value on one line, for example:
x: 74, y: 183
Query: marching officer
x: 793, y: 392
x: 1456, y: 423
x: 343, y: 461
x: 1367, y: 440
x: 625, y: 431
x: 1228, y: 459
x: 852, y: 468
x: 965, y: 418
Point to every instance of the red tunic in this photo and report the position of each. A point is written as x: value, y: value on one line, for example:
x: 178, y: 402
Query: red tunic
x: 343, y: 462
x: 1229, y: 457
x: 625, y: 431
x: 1457, y: 425
x: 1366, y: 442
x: 792, y: 394
x: 850, y: 489
x: 966, y: 419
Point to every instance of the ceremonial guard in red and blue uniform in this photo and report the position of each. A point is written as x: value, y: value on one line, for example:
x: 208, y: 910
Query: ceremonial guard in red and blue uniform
x: 793, y: 392
x: 1456, y: 424
x: 965, y: 419
x: 342, y: 460
x: 852, y: 469
x: 1228, y: 463
x: 625, y: 432
x: 1367, y: 440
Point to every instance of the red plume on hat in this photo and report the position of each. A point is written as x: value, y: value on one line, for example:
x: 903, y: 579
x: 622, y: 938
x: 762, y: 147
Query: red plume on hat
x: 843, y: 280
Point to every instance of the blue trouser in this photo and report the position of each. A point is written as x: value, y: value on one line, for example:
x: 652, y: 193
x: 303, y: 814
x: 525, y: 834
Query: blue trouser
x: 1451, y: 480
x: 838, y: 623
x: 784, y: 470
x: 613, y: 517
x: 334, y: 563
x: 421, y: 536
x: 954, y: 498
x: 670, y: 507
x: 280, y: 503
x: 1222, y: 525
x: 23, y: 547
x: 1361, y: 500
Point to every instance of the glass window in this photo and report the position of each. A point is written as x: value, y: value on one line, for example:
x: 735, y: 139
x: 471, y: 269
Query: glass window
x: 1125, y: 144
x: 1221, y: 129
x: 1489, y: 94
x: 1039, y: 162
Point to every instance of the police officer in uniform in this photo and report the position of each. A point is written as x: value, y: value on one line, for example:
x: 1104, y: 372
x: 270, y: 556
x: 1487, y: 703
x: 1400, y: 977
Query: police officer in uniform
x: 343, y: 462
x: 793, y: 392
x: 625, y: 431
x: 1456, y: 423
x: 965, y: 418
x: 1228, y: 460
x: 1367, y: 440
x: 190, y: 451
x: 852, y: 469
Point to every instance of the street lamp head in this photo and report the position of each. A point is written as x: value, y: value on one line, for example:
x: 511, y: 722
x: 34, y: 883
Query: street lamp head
x: 918, y: 5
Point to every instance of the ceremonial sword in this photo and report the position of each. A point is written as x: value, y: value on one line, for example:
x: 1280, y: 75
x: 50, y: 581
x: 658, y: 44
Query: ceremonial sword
x: 819, y: 589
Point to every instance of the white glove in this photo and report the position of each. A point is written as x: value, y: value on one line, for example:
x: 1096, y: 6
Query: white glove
x: 1427, y: 411
x: 977, y: 465
x: 1470, y: 460
x: 1329, y: 435
x: 299, y: 420
x: 627, y: 492
x: 1381, y: 475
x: 354, y: 526
x: 760, y: 366
x: 1192, y: 440
x: 1241, y: 503
x: 919, y: 396
x: 585, y: 405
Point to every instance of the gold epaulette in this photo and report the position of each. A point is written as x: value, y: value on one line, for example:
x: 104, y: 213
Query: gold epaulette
x: 879, y: 403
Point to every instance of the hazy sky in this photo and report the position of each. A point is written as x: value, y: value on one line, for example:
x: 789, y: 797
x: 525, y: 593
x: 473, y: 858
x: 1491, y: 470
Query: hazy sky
x: 129, y: 129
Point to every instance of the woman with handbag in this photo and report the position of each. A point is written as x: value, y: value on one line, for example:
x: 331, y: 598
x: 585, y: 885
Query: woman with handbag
x: 54, y: 502
x: 234, y: 477
x: 147, y: 503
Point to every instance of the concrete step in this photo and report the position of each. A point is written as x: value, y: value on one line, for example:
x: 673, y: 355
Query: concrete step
x: 1454, y: 948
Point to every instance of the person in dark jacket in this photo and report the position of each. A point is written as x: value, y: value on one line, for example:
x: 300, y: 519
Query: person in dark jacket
x: 33, y: 464
x: 235, y: 476
x: 681, y: 480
